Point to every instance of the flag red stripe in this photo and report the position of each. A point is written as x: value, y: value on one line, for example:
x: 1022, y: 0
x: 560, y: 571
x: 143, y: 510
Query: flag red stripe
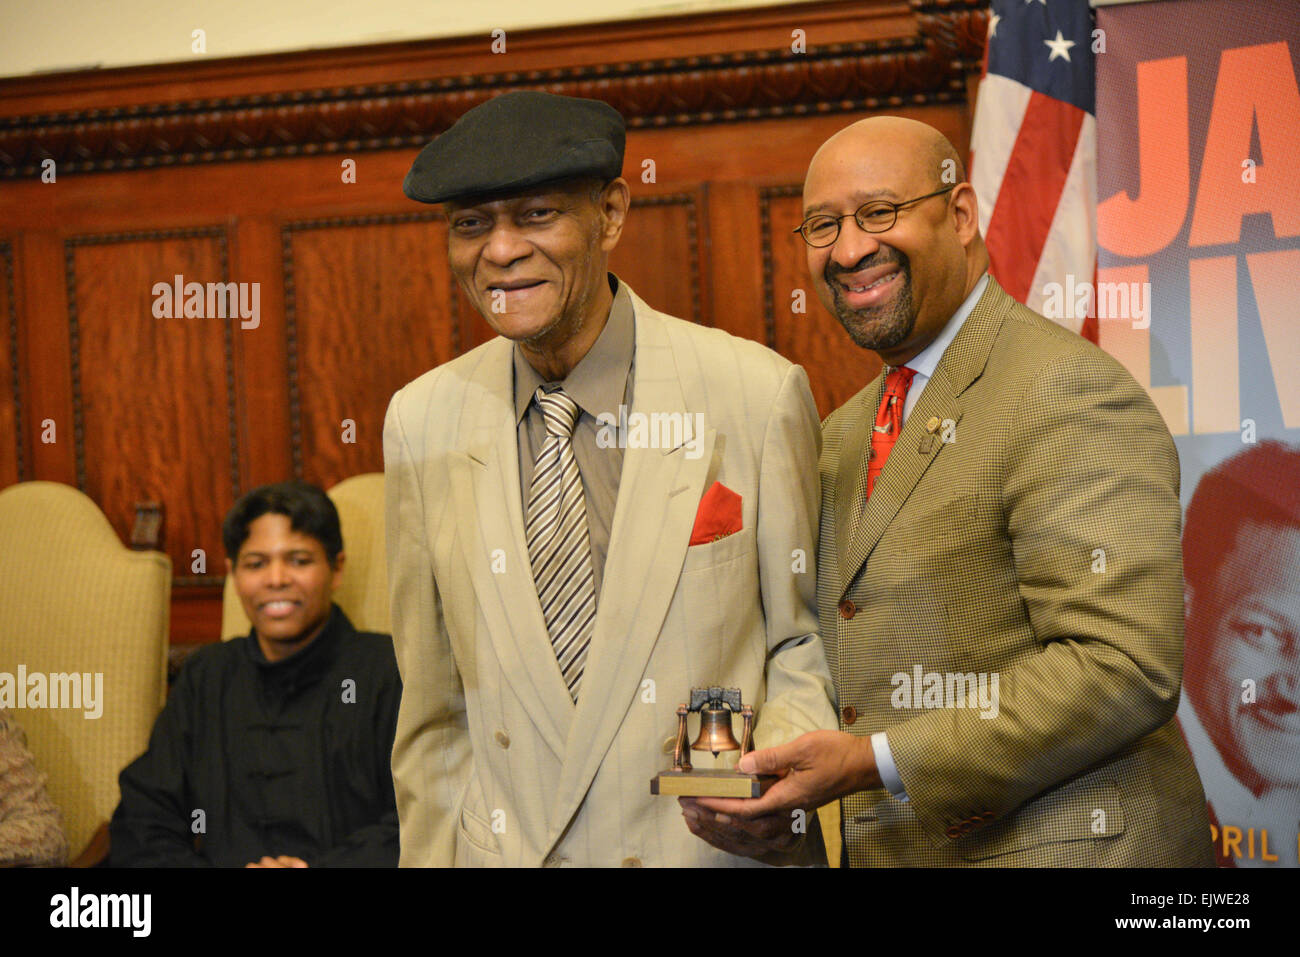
x: 1030, y: 191
x: 1089, y: 328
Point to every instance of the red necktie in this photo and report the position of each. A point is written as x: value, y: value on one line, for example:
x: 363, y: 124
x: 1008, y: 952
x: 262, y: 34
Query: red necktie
x: 889, y: 420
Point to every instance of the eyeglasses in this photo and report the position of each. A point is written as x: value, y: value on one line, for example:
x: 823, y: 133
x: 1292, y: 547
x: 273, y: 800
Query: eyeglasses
x: 877, y: 216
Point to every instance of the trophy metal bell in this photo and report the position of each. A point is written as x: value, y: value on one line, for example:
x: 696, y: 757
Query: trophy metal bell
x: 716, y: 707
x: 715, y: 730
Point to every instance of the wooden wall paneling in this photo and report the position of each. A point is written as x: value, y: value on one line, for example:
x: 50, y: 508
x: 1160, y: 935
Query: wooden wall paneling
x: 328, y: 101
x: 659, y: 254
x: 736, y: 260
x: 153, y: 397
x: 368, y: 308
x: 196, y: 610
x: 729, y: 114
x: 758, y: 151
x: 261, y: 356
x: 12, y: 446
x: 300, y: 187
x: 697, y: 37
x: 837, y: 367
x: 44, y: 338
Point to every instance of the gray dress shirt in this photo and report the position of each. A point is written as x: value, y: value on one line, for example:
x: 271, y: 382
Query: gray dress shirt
x: 599, y: 383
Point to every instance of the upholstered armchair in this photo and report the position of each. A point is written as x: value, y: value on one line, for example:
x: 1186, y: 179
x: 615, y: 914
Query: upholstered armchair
x: 89, y: 617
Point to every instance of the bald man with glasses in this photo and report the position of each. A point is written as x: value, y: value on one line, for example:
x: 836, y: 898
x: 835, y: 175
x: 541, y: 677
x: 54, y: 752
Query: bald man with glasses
x: 1000, y: 582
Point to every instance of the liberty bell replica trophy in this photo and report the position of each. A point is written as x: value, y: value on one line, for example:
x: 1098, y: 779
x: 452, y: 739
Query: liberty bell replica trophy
x: 716, y: 706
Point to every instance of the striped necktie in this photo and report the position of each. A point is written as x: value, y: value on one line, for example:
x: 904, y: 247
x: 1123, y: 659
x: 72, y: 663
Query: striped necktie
x: 558, y: 547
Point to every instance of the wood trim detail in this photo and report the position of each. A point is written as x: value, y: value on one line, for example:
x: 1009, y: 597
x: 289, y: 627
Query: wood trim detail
x: 765, y: 197
x: 926, y: 68
x: 291, y: 303
x: 74, y: 337
x: 7, y: 256
x: 691, y: 202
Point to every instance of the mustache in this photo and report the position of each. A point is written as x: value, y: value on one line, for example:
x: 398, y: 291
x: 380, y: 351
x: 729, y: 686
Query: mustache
x: 881, y: 257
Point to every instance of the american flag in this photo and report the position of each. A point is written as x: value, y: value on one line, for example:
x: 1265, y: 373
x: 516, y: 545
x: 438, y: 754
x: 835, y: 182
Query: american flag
x: 1034, y: 154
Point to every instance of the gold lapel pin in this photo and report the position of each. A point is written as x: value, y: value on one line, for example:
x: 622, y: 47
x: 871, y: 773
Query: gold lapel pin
x: 932, y: 426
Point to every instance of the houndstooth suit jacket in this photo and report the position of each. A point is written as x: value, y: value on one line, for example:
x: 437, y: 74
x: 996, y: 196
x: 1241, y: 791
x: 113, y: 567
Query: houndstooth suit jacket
x: 1026, y: 526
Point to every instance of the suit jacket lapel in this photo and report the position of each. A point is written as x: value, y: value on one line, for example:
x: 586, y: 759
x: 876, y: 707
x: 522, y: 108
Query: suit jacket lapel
x: 658, y: 495
x: 922, y: 438
x: 489, y: 513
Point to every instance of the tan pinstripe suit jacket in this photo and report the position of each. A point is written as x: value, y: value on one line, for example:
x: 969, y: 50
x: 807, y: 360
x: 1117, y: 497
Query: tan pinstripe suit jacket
x: 1039, y: 544
x: 492, y: 762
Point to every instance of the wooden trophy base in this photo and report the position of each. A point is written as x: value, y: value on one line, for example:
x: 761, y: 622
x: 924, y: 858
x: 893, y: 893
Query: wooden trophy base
x: 731, y: 784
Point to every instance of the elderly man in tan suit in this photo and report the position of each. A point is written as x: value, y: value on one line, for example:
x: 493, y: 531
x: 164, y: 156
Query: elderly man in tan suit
x: 587, y: 516
x: 1000, y: 588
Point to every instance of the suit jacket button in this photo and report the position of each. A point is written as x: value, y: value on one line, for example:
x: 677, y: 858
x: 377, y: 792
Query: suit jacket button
x: 503, y: 739
x: 850, y: 714
x: 953, y: 831
x: 631, y: 862
x: 847, y: 608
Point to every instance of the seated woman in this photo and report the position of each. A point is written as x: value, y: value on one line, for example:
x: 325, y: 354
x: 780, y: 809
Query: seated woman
x: 273, y: 750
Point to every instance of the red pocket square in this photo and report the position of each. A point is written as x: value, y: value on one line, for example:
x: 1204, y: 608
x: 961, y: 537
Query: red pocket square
x: 719, y: 515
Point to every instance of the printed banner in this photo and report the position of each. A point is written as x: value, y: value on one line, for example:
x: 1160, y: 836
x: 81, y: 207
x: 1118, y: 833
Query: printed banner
x: 1198, y: 294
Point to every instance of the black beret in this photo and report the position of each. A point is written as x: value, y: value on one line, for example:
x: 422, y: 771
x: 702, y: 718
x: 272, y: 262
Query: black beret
x: 518, y: 140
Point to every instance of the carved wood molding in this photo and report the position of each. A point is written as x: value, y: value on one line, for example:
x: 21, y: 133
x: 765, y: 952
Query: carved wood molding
x: 691, y: 202
x: 928, y: 67
x: 7, y: 259
x: 765, y: 197
x: 70, y: 246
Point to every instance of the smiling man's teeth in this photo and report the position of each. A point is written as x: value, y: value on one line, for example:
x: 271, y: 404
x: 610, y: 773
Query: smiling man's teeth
x: 860, y: 288
x: 277, y: 606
